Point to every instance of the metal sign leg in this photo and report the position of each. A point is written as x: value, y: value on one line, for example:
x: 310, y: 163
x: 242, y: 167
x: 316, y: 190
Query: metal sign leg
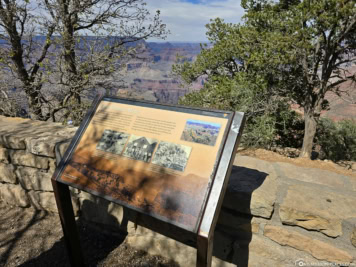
x: 70, y: 231
x: 204, y: 251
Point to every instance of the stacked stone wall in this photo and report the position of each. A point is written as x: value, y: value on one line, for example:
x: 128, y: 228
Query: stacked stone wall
x: 274, y: 213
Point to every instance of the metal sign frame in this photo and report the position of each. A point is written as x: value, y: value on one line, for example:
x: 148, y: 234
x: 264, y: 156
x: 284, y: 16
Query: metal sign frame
x: 206, y: 221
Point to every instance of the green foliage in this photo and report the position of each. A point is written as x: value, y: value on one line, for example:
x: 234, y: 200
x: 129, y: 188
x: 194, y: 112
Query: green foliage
x: 260, y: 131
x: 232, y: 83
x: 337, y: 140
x: 270, y: 121
x: 289, y: 127
x: 284, y: 52
x: 304, y: 45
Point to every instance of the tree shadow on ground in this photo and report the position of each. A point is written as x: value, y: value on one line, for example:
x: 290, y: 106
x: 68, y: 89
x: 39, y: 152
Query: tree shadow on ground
x: 96, y: 243
x: 101, y: 245
x: 9, y: 242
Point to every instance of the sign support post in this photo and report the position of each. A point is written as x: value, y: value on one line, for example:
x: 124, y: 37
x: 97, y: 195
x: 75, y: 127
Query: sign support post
x: 70, y: 231
x: 213, y: 207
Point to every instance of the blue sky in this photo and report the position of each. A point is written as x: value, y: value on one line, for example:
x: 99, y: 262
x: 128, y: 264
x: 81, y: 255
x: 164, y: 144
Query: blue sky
x: 186, y: 19
x: 217, y: 125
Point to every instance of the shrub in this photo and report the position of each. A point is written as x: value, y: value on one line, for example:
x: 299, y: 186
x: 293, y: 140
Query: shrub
x: 337, y: 139
x: 289, y: 128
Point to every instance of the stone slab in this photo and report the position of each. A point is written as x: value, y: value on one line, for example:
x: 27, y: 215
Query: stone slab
x: 7, y: 173
x: 262, y: 251
x: 255, y: 164
x: 13, y: 131
x: 12, y: 141
x: 236, y: 222
x: 43, y: 146
x: 64, y: 146
x: 316, y: 209
x: 4, y: 155
x: 353, y: 237
x: 318, y: 249
x: 34, y: 179
x: 23, y: 158
x: 66, y: 132
x: 52, y: 165
x: 99, y: 210
x: 46, y: 201
x: 352, y: 179
x: 14, y: 195
x: 312, y: 175
x: 251, y: 192
x: 18, y: 133
x: 157, y: 244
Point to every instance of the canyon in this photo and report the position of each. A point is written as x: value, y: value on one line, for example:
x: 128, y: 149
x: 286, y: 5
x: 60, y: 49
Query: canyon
x: 150, y: 77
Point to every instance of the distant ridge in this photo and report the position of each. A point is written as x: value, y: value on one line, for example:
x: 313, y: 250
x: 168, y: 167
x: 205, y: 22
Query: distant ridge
x: 204, y: 125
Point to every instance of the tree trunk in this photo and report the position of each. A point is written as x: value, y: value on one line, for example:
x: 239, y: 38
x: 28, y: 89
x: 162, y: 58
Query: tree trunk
x: 35, y: 110
x: 310, y: 122
x: 33, y: 100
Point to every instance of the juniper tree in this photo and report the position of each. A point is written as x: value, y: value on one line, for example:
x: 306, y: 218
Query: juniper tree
x: 86, y: 41
x: 21, y: 55
x: 300, y: 49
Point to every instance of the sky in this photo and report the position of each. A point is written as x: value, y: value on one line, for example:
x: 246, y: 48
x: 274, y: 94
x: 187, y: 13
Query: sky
x: 186, y: 19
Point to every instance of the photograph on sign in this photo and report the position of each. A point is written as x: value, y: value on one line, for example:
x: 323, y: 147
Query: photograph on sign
x: 173, y: 156
x: 140, y: 148
x: 201, y: 132
x: 155, y: 159
x: 112, y: 141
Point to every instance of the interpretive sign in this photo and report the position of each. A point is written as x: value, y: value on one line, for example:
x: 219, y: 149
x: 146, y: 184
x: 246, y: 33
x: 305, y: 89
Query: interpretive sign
x: 159, y: 160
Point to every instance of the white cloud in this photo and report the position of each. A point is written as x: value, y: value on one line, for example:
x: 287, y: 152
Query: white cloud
x: 187, y: 21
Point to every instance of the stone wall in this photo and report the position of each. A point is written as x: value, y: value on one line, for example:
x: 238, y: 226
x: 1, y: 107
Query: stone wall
x: 27, y: 161
x: 274, y: 214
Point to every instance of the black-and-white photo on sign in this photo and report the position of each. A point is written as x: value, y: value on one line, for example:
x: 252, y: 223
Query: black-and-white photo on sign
x: 140, y: 148
x: 173, y: 156
x: 112, y: 141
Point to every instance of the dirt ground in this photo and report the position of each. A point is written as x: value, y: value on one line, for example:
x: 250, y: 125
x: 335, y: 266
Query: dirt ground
x: 35, y: 238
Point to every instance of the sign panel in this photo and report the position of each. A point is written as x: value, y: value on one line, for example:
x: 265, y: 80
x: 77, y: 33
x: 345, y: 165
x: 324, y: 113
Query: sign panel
x: 157, y: 159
